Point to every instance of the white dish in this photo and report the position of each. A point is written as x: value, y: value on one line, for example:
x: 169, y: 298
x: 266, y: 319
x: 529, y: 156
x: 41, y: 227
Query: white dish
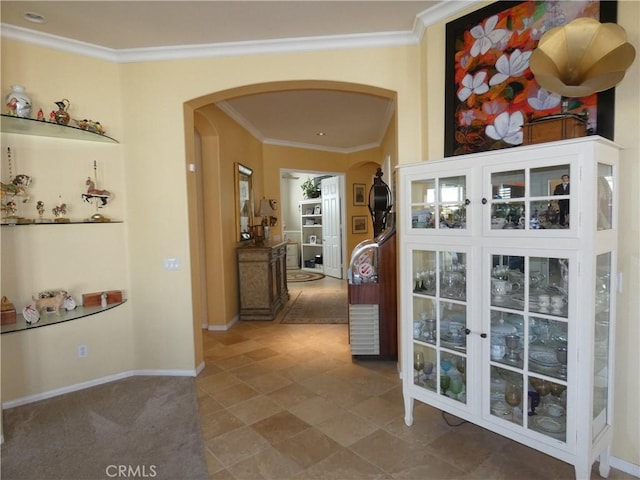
x: 548, y: 424
x: 459, y: 340
x: 544, y: 358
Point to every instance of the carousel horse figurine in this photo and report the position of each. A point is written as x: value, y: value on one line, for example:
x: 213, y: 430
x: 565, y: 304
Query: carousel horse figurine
x: 17, y: 187
x: 93, y: 192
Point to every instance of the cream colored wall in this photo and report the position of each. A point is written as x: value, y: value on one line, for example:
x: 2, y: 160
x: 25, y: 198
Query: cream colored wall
x: 79, y: 258
x: 626, y: 445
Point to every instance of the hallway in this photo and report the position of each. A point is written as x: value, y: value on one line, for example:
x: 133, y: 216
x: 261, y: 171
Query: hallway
x: 280, y: 401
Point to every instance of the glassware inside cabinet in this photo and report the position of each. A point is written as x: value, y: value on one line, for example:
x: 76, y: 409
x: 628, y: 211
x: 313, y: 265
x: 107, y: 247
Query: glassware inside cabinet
x: 547, y: 412
x: 507, y: 281
x: 453, y: 326
x: 601, y: 340
x: 423, y: 203
x: 424, y: 319
x: 424, y: 272
x: 424, y: 361
x: 507, y: 338
x: 507, y: 395
x: 453, y: 376
x: 453, y: 275
x: 548, y: 342
x: 605, y: 197
x: 549, y: 285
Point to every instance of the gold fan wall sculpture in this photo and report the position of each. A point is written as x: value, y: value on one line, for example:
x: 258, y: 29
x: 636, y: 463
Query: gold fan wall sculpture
x: 582, y: 58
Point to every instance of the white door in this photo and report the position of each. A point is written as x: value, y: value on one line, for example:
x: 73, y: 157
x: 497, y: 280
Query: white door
x: 331, y: 232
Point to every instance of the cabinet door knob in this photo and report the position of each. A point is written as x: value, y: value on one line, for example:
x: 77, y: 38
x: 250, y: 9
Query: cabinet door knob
x: 484, y: 201
x: 467, y: 201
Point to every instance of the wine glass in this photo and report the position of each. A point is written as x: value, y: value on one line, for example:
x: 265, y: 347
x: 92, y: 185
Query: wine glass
x: 557, y: 389
x: 445, y: 383
x: 418, y: 364
x: 543, y: 388
x: 513, y: 396
x: 534, y: 401
x: 456, y: 384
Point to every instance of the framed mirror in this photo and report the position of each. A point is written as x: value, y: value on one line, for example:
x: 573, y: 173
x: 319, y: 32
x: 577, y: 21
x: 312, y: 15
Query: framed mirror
x: 244, y: 201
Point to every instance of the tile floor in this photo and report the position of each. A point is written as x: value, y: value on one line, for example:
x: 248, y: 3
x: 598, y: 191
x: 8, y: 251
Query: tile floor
x: 281, y: 401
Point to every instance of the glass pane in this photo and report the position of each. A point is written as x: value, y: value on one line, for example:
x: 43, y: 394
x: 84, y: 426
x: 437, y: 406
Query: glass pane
x: 453, y: 271
x: 424, y: 359
x: 543, y: 181
x: 424, y: 272
x: 548, y: 347
x: 507, y: 338
x: 453, y: 376
x: 423, y: 202
x: 423, y: 217
x: 605, y: 196
x: 452, y: 202
x: 544, y: 215
x: 424, y: 319
x: 507, y: 394
x: 601, y: 338
x: 507, y: 281
x: 506, y: 185
x: 509, y: 215
x: 549, y: 285
x: 547, y: 407
x: 453, y: 323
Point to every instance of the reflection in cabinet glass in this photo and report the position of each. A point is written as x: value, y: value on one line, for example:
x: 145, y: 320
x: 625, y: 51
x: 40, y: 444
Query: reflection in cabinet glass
x: 497, y: 293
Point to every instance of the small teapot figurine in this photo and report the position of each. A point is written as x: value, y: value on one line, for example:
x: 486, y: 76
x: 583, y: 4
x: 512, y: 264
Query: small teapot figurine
x: 62, y: 116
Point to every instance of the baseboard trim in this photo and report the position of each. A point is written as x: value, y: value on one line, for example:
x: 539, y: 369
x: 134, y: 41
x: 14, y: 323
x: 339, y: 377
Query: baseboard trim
x: 98, y: 381
x: 222, y: 328
x: 626, y: 467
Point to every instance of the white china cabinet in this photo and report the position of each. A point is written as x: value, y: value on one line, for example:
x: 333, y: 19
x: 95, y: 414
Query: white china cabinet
x: 507, y: 287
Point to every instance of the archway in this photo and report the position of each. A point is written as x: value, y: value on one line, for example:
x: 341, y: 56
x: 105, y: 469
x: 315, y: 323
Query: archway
x: 210, y: 248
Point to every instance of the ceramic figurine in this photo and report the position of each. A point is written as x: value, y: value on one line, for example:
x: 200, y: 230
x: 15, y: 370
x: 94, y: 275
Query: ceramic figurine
x: 59, y: 211
x: 30, y: 314
x: 69, y: 303
x: 40, y: 115
x: 18, y: 102
x: 62, y: 116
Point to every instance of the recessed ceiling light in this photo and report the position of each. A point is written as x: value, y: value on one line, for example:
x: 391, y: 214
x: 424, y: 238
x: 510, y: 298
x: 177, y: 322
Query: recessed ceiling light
x: 34, y: 17
x: 321, y: 134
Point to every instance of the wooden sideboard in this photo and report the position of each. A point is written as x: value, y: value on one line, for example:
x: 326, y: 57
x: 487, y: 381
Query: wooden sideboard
x: 262, y: 277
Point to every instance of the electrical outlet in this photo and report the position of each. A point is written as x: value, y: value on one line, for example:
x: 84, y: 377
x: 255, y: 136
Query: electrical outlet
x: 82, y: 351
x: 171, y: 264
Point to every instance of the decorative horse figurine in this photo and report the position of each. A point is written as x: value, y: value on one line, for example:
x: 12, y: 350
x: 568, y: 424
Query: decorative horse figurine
x: 17, y: 187
x: 93, y: 192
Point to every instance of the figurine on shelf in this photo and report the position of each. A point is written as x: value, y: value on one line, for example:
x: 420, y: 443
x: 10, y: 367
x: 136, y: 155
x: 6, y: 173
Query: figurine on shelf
x: 40, y: 115
x: 18, y: 187
x: 51, y: 304
x: 30, y: 314
x: 98, y: 196
x: 59, y: 211
x: 62, y: 116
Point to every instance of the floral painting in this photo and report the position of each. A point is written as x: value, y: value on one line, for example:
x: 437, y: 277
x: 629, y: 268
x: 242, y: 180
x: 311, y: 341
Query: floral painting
x: 491, y: 92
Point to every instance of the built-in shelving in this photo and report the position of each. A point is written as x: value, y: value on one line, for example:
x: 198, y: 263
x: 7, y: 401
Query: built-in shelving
x: 29, y: 126
x: 51, y: 318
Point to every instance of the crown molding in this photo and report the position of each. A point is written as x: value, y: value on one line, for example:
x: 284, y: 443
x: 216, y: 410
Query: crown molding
x: 322, y: 148
x: 426, y: 18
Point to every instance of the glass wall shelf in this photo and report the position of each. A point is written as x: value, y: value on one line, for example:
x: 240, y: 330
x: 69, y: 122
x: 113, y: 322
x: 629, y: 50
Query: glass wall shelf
x: 29, y: 126
x: 32, y: 222
x: 52, y: 318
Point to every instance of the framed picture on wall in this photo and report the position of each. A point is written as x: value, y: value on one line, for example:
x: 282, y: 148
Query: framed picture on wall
x: 317, y: 210
x: 359, y: 224
x: 490, y: 91
x: 359, y: 194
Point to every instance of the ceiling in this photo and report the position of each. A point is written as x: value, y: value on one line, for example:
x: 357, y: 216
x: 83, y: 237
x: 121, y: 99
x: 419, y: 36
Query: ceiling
x: 145, y: 30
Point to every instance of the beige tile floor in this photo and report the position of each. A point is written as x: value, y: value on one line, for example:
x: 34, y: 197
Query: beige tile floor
x: 282, y: 401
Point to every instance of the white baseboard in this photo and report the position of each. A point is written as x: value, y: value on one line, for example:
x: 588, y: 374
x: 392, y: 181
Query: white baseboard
x: 626, y: 467
x: 222, y: 328
x: 98, y: 381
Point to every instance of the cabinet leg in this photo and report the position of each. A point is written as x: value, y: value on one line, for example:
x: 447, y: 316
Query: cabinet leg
x: 605, y: 463
x: 583, y: 472
x: 408, y: 410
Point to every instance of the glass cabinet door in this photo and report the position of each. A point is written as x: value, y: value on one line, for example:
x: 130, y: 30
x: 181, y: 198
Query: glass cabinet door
x: 440, y: 322
x: 602, y: 339
x: 530, y: 198
x: 439, y: 203
x: 528, y: 312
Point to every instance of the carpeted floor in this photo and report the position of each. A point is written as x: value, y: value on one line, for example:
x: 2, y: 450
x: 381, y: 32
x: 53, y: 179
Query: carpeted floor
x: 329, y: 306
x: 294, y: 276
x: 139, y: 427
